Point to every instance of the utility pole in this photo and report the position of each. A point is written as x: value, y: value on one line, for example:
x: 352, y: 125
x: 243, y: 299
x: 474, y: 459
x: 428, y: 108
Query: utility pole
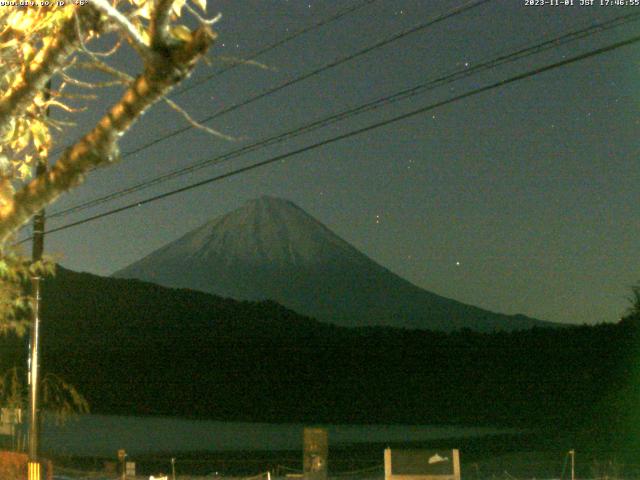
x: 34, y: 341
x: 573, y: 464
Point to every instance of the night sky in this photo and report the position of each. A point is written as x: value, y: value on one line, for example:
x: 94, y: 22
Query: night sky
x: 524, y: 199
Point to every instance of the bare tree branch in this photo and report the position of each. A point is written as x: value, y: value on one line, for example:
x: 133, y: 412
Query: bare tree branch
x: 100, y: 66
x: 200, y: 18
x: 99, y: 147
x: 124, y: 26
x: 160, y: 19
x: 194, y: 123
x: 35, y: 78
x: 89, y: 85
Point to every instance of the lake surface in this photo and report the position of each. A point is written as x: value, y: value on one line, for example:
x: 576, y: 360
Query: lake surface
x: 102, y: 435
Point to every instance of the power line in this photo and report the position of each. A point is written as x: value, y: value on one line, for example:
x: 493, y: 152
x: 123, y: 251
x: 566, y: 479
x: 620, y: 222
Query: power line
x: 342, y: 13
x: 440, y: 18
x: 277, y: 44
x: 410, y: 114
x: 402, y: 95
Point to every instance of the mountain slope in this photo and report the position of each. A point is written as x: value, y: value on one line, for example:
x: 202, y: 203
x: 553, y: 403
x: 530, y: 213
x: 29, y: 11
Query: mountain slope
x: 137, y: 348
x: 272, y: 249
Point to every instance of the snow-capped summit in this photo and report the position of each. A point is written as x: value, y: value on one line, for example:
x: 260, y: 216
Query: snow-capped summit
x: 266, y: 230
x: 272, y: 249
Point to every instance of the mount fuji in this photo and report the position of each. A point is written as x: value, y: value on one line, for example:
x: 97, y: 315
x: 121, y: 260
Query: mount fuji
x: 272, y: 249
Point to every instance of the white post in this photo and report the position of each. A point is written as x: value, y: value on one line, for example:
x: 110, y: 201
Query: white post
x: 573, y: 464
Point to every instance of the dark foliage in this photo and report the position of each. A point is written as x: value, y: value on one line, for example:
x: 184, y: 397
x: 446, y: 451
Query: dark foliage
x: 137, y: 348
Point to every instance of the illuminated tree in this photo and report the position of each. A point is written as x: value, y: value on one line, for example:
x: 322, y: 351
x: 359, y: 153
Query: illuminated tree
x: 39, y: 43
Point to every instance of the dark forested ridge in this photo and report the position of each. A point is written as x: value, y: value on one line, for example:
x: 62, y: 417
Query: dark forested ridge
x: 137, y: 348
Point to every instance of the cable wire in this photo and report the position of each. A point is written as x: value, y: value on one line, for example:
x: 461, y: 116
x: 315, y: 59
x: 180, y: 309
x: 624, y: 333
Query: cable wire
x: 277, y: 44
x: 368, y: 128
x: 440, y: 18
x: 342, y: 13
x: 380, y: 102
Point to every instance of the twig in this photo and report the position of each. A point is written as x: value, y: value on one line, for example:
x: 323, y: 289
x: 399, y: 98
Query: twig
x: 124, y: 25
x: 194, y: 123
x: 201, y: 19
x: 241, y: 61
x: 103, y: 67
x: 99, y: 146
x: 29, y: 84
x: 89, y: 85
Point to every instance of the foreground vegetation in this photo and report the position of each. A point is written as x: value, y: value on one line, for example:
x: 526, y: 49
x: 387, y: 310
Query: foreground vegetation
x: 137, y: 348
